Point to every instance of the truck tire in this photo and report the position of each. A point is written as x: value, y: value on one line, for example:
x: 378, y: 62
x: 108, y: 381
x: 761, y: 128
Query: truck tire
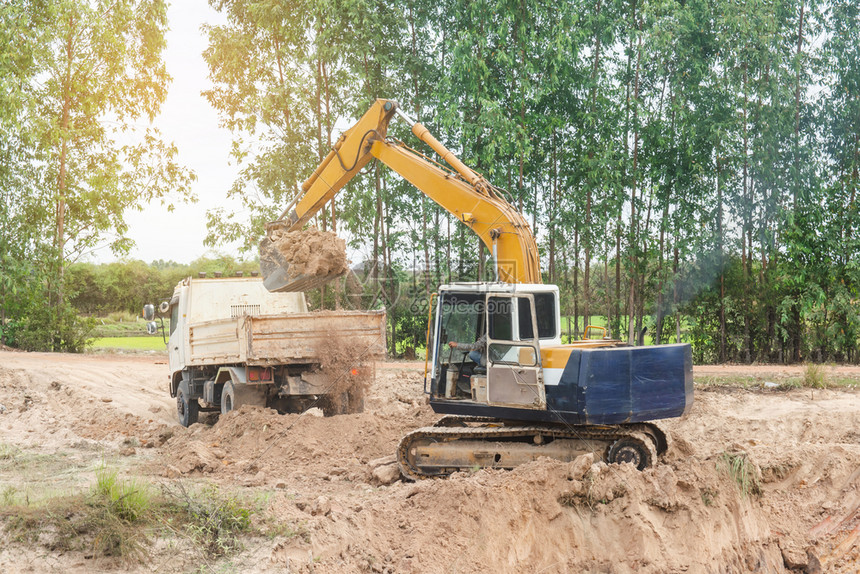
x: 355, y: 397
x: 332, y: 405
x: 347, y: 403
x: 234, y: 396
x: 186, y: 407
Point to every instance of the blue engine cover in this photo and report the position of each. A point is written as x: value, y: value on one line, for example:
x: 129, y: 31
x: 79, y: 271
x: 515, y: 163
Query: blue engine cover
x: 624, y: 385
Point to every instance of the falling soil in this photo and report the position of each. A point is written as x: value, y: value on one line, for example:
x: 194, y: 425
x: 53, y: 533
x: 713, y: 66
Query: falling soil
x: 349, y: 366
x: 316, y: 479
x: 312, y: 252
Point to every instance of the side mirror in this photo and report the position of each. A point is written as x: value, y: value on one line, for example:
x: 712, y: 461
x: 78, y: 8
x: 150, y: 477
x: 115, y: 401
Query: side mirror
x: 151, y: 328
x: 148, y: 312
x: 164, y: 307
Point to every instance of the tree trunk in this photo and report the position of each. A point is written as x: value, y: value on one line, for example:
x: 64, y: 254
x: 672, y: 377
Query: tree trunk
x: 426, y: 243
x: 448, y: 248
x: 377, y: 218
x: 586, y: 232
x: 675, y: 299
x: 553, y: 210
x: 60, y: 239
x: 798, y: 66
x: 658, y: 336
x: 617, y: 315
x: 576, y: 282
x: 720, y: 256
x: 437, y: 249
x: 631, y: 302
x: 608, y: 295
x: 747, y: 230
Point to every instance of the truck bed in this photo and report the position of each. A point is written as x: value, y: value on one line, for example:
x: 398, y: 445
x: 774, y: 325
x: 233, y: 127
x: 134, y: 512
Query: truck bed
x: 294, y: 338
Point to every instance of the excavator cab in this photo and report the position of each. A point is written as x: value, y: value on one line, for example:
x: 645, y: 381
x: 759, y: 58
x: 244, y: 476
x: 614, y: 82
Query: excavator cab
x: 510, y: 371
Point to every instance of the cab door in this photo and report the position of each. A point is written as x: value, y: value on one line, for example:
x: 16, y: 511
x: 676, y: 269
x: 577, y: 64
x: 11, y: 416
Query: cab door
x: 514, y: 373
x: 178, y: 334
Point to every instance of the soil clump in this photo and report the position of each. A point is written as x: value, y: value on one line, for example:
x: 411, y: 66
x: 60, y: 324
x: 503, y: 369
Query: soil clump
x: 311, y: 252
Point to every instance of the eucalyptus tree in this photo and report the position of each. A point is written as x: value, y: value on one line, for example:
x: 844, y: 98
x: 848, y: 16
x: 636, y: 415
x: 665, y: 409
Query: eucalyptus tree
x: 266, y: 83
x: 94, y: 71
x: 102, y: 69
x: 839, y: 115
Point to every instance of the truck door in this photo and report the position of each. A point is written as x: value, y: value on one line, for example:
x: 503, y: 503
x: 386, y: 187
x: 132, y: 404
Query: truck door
x: 176, y: 344
x: 514, y: 373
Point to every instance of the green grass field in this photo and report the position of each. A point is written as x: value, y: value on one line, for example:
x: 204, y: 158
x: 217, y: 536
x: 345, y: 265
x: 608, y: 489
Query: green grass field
x: 146, y: 343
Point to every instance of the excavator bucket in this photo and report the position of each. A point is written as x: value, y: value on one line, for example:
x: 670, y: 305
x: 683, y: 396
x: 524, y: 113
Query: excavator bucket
x: 301, y: 260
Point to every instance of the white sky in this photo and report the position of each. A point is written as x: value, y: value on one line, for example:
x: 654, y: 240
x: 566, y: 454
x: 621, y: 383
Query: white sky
x: 191, y: 123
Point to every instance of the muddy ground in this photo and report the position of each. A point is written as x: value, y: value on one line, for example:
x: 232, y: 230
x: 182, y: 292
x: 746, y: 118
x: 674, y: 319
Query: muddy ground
x: 63, y: 417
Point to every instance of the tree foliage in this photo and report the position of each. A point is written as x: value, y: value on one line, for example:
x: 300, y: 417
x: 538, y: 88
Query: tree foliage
x: 689, y: 167
x: 78, y: 76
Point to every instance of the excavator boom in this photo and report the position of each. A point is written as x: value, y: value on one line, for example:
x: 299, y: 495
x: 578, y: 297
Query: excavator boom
x: 462, y: 192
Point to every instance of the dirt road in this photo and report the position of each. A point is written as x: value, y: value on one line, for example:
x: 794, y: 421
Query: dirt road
x: 65, y: 416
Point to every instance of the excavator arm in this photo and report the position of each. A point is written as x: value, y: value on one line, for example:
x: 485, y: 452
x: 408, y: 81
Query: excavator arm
x: 463, y: 193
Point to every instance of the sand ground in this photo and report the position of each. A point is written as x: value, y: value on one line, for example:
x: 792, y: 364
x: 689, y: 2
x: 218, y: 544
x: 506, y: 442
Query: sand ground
x: 66, y: 415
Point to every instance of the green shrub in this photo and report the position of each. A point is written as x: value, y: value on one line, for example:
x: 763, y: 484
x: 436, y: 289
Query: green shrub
x: 47, y: 328
x: 213, y: 519
x: 111, y: 520
x: 129, y: 500
x: 814, y: 376
x: 742, y: 470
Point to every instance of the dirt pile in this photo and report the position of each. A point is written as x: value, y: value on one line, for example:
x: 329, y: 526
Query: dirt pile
x: 690, y: 513
x: 549, y: 516
x: 260, y: 447
x: 311, y: 252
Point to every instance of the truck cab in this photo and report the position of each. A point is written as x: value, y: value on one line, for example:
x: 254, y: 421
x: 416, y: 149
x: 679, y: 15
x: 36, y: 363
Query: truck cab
x: 515, y: 321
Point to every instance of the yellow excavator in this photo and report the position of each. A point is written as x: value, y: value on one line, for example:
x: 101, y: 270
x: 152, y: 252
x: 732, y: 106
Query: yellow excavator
x: 520, y: 394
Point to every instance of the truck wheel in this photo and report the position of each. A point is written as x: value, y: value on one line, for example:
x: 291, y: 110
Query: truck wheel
x: 234, y: 396
x: 186, y: 407
x: 355, y: 397
x: 332, y: 405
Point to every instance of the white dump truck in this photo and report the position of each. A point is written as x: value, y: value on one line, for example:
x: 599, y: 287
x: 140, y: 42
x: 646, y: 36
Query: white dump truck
x: 232, y: 342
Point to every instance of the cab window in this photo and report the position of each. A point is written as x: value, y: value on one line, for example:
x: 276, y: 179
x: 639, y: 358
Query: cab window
x: 546, y: 313
x: 462, y: 319
x: 501, y: 318
x: 174, y: 317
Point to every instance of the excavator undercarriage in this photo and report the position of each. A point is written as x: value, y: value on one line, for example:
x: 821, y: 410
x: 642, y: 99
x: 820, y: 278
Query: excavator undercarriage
x: 458, y: 443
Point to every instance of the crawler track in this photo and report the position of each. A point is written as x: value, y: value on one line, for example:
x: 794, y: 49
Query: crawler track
x: 460, y: 443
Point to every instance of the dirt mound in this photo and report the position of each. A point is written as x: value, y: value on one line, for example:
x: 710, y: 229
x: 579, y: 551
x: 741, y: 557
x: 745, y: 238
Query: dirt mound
x: 553, y: 517
x: 687, y: 514
x: 311, y: 252
x: 260, y: 447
